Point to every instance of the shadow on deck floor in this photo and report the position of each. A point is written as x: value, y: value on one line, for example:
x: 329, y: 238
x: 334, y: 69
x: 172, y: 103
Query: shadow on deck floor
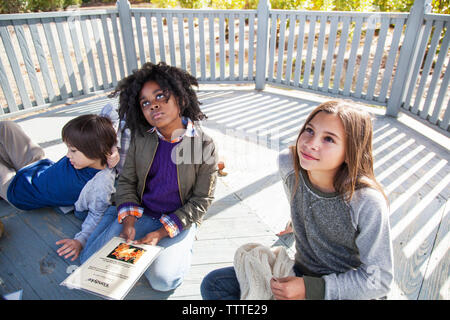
x: 250, y: 128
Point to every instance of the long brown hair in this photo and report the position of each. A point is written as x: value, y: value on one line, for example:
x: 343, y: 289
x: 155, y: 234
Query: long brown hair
x: 357, y: 170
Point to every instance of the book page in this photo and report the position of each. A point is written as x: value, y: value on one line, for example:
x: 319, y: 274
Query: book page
x: 113, y: 270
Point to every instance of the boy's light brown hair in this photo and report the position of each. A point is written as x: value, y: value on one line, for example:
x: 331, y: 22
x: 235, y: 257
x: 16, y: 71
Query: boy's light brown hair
x: 91, y: 134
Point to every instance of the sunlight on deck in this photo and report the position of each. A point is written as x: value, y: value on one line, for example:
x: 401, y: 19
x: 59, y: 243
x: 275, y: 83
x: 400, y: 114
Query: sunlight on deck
x: 250, y: 128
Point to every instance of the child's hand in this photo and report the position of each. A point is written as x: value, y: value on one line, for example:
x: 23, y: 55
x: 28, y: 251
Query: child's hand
x: 287, y: 230
x: 113, y: 158
x: 154, y: 237
x: 289, y: 288
x: 128, y: 230
x: 71, y: 247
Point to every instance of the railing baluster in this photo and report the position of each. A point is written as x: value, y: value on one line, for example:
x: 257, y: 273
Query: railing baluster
x: 118, y: 45
x: 251, y: 40
x: 340, y: 58
x: 281, y: 41
x: 151, y: 42
x: 364, y: 60
x: 4, y: 33
x: 445, y: 123
x: 231, y: 39
x: 330, y: 52
x: 181, y: 39
x: 89, y: 53
x: 300, y: 42
x: 320, y: 44
x: 162, y: 46
x: 192, y: 44
x: 78, y: 56
x: 272, y: 46
x: 55, y: 59
x: 99, y: 47
x: 201, y: 34
x: 29, y: 65
x: 377, y: 59
x: 311, y: 39
x: 66, y: 56
x: 7, y: 92
x: 427, y: 67
x: 137, y: 19
x: 212, y: 45
x: 109, y: 51
x: 241, y: 46
x: 399, y: 22
x: 38, y: 47
x: 434, y: 79
x: 222, y: 46
x: 352, y: 59
x: 425, y: 35
x: 440, y: 99
x: 172, y: 48
x: 292, y: 22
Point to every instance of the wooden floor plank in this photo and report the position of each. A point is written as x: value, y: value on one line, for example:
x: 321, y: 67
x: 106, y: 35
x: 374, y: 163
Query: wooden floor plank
x: 407, y: 264
x: 10, y: 279
x: 6, y: 209
x: 436, y: 284
x: 223, y: 250
x: 231, y: 228
x: 35, y: 261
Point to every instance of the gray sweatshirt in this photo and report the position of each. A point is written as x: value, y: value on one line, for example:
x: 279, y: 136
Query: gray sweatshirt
x: 95, y: 198
x: 343, y: 248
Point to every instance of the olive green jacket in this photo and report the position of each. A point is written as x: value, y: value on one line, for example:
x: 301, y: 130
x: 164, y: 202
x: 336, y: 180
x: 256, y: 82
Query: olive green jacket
x: 196, y: 172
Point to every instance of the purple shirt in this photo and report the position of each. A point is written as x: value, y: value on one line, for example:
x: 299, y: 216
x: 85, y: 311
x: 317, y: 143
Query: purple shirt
x: 161, y: 193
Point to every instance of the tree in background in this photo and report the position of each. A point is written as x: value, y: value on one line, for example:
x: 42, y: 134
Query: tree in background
x: 439, y: 6
x: 15, y: 6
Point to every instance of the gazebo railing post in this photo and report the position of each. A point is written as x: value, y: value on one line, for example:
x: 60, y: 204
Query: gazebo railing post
x: 407, y: 56
x: 262, y: 40
x: 126, y: 27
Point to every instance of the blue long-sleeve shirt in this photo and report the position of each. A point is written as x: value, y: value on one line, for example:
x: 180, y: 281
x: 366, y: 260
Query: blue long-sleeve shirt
x: 48, y: 184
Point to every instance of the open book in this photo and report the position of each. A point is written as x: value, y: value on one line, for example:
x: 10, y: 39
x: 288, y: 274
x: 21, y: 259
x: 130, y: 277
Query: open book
x: 114, y: 269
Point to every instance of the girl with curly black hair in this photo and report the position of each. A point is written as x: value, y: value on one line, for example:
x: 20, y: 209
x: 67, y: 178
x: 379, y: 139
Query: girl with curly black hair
x: 171, y: 80
x: 168, y: 179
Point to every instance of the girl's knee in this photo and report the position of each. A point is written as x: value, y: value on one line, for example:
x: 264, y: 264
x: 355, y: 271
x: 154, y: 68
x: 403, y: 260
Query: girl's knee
x: 163, y: 281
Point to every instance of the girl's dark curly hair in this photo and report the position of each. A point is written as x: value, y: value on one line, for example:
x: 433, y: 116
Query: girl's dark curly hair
x: 172, y: 80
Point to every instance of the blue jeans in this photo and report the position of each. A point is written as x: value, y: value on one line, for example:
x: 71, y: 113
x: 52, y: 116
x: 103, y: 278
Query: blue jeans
x: 169, y: 268
x: 222, y: 284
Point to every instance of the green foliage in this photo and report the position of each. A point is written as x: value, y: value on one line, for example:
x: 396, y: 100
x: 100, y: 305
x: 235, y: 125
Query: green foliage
x: 287, y: 4
x: 165, y: 3
x: 439, y: 6
x: 68, y: 3
x: 12, y: 6
x: 44, y: 5
x: 16, y: 6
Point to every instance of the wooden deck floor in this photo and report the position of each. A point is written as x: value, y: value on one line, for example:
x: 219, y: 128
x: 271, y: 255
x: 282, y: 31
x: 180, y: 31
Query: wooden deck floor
x: 250, y: 128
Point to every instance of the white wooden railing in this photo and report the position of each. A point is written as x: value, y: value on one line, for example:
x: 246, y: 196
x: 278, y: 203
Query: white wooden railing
x: 397, y: 60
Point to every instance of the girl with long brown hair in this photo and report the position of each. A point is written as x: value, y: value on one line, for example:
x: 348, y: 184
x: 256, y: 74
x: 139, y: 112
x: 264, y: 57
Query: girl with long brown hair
x: 339, y: 213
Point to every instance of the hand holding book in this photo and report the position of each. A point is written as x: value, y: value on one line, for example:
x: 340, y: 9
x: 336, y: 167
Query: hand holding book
x: 154, y: 237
